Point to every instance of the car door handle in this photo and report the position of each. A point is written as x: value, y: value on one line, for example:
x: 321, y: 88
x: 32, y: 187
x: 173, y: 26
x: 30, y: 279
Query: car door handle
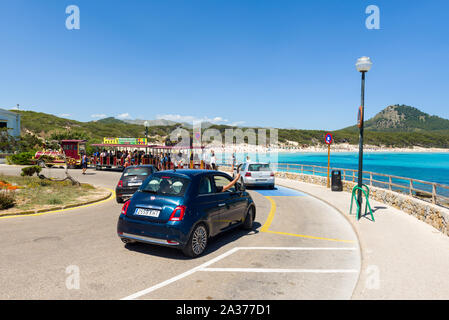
x: 222, y: 204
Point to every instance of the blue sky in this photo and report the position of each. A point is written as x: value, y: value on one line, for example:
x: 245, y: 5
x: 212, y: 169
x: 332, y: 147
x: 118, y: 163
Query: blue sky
x: 282, y: 63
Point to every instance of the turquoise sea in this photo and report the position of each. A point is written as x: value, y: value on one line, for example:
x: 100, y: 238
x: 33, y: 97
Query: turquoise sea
x: 433, y: 167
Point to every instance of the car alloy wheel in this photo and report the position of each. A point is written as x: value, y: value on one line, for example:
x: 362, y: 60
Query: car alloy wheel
x: 199, y: 240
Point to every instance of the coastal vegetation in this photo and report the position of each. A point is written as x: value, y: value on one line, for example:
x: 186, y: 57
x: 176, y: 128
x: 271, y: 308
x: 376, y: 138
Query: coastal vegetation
x: 396, y: 126
x: 18, y: 193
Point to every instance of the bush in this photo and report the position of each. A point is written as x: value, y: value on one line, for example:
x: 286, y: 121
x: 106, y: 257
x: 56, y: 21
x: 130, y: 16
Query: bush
x: 29, y: 171
x: 54, y: 201
x: 6, y: 199
x: 87, y: 186
x: 23, y: 158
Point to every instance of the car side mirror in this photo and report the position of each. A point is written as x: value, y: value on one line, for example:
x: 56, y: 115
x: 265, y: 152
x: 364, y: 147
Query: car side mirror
x: 240, y: 186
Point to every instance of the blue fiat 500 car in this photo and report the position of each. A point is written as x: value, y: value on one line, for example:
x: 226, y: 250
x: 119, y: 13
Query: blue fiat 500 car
x: 183, y: 209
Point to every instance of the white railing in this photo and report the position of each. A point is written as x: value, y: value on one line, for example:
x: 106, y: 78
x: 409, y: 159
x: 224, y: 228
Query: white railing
x: 433, y: 192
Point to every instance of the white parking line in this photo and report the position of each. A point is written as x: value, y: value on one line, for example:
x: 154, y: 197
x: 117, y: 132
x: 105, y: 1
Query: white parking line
x: 178, y: 277
x: 297, y: 248
x: 279, y: 270
x: 203, y: 267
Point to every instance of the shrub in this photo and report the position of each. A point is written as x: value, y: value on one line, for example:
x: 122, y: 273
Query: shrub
x: 29, y: 171
x: 87, y: 186
x: 44, y: 183
x: 54, y: 201
x: 23, y: 158
x: 6, y: 199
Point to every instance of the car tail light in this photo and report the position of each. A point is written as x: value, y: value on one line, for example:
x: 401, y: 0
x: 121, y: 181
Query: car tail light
x: 125, y: 207
x: 272, y: 174
x: 120, y: 184
x: 178, y: 213
x: 248, y: 174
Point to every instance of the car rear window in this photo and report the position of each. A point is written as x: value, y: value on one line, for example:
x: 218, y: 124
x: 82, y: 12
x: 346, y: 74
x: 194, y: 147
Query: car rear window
x: 168, y: 185
x: 138, y: 172
x: 259, y: 167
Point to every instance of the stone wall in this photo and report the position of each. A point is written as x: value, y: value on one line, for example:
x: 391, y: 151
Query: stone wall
x: 436, y: 216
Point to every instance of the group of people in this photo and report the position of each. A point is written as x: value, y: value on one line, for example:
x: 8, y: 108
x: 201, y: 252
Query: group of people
x: 162, y: 160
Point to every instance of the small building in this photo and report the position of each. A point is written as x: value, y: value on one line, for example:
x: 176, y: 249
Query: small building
x: 10, y: 120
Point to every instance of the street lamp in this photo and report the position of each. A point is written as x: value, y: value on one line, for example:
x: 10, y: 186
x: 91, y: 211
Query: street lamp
x: 363, y: 65
x: 146, y: 124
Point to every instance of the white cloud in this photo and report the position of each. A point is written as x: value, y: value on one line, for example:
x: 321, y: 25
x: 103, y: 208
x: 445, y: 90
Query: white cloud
x: 123, y: 116
x: 190, y: 119
x: 65, y: 115
x: 98, y: 116
x: 237, y: 123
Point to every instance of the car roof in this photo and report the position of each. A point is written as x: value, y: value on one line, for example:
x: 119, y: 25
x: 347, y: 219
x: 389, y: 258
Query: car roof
x: 192, y: 172
x: 253, y: 162
x: 141, y: 166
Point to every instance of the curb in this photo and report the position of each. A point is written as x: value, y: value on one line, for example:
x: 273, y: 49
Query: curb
x: 69, y: 206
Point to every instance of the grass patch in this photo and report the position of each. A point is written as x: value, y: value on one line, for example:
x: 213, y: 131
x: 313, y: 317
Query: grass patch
x: 34, y: 193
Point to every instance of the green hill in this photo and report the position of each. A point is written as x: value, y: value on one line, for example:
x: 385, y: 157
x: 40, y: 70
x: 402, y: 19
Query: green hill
x: 50, y: 126
x: 402, y: 118
x: 395, y: 126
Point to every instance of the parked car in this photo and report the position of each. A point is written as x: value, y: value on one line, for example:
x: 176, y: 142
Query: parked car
x: 131, y: 180
x: 256, y: 174
x: 184, y: 208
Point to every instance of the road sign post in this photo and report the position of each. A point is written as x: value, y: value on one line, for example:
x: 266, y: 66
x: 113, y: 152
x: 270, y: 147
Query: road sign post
x: 328, y: 139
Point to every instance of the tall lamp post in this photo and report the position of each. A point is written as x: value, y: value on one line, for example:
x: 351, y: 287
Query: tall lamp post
x: 146, y: 124
x: 363, y: 65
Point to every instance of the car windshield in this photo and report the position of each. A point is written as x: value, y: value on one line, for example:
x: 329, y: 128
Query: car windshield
x: 137, y: 172
x: 259, y: 167
x: 168, y: 185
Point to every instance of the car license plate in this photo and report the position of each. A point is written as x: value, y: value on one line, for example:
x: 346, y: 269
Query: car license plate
x: 147, y: 212
x: 261, y: 179
x: 132, y: 184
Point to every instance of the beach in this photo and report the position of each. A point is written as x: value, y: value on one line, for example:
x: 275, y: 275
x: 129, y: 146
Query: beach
x: 340, y: 147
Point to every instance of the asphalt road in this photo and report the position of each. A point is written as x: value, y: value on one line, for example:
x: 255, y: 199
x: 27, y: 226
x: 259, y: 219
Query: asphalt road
x: 300, y: 248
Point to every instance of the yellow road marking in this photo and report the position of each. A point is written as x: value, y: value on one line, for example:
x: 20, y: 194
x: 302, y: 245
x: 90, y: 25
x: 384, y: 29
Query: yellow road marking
x: 308, y: 237
x: 62, y: 210
x: 270, y: 218
x: 267, y: 224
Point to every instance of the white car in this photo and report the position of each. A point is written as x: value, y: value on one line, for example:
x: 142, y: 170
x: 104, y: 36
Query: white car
x: 255, y: 174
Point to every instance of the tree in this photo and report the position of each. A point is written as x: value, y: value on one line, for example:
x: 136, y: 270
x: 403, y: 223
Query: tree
x: 7, y: 142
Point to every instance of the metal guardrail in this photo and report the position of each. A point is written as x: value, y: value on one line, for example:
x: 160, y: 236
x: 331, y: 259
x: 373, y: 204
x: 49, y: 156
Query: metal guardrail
x: 433, y: 192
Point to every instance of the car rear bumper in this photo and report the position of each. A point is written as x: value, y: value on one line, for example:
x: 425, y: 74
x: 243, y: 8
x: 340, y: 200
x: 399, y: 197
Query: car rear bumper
x: 125, y: 193
x: 165, y: 234
x: 258, y: 181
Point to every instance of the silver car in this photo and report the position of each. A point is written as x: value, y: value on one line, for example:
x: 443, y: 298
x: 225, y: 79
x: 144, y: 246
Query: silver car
x: 255, y: 174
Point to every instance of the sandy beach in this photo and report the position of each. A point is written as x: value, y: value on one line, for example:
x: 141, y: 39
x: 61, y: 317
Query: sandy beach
x: 342, y: 147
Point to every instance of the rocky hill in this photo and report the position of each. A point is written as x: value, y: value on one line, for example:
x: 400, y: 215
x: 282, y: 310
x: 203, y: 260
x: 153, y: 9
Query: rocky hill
x: 404, y: 118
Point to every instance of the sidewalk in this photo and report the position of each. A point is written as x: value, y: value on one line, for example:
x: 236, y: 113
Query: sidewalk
x: 402, y: 257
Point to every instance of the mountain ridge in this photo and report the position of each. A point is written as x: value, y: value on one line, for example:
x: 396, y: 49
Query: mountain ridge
x: 403, y: 118
x: 395, y: 126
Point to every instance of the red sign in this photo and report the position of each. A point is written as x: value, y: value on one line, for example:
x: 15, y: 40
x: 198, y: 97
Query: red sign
x: 328, y: 138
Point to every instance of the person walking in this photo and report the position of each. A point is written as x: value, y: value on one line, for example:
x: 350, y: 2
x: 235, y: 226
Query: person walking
x: 213, y: 160
x: 84, y: 163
